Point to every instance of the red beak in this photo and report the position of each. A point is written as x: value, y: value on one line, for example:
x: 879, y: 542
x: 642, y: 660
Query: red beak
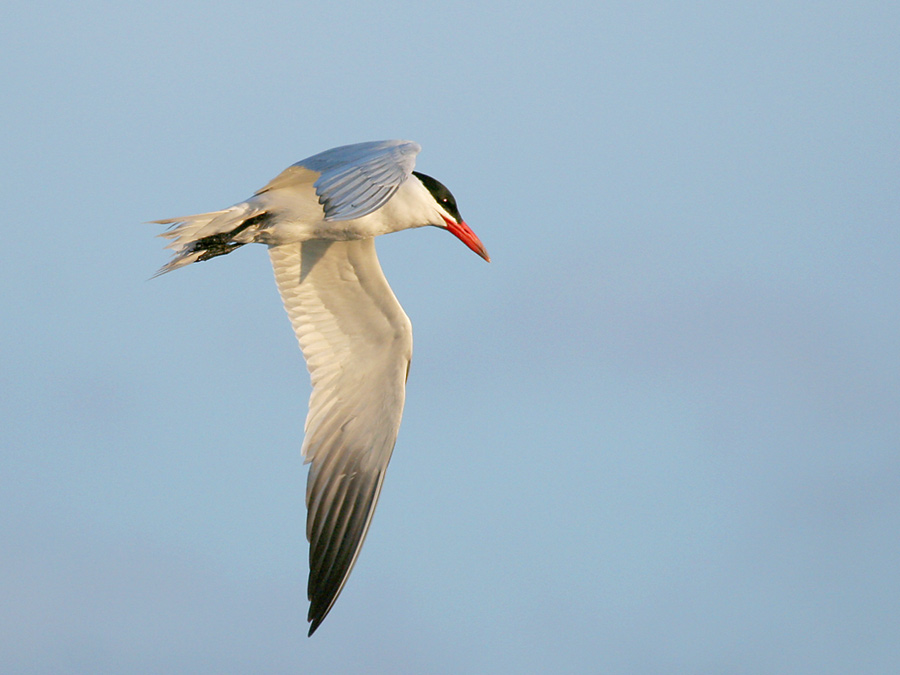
x: 464, y: 233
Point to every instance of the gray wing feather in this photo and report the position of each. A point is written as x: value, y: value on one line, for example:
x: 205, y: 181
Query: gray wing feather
x: 358, y: 179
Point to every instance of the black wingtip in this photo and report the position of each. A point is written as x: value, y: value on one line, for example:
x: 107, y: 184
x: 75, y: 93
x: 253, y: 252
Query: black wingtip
x: 316, y: 616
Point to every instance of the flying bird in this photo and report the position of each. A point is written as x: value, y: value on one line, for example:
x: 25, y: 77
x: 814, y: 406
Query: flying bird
x: 319, y: 218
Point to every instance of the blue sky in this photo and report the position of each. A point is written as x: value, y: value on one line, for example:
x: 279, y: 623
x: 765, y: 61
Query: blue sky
x: 658, y: 433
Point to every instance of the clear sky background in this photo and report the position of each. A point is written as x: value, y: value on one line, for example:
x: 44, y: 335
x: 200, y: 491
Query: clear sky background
x: 658, y: 434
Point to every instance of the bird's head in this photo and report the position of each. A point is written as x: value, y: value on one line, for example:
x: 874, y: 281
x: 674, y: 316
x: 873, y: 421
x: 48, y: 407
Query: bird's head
x: 449, y: 213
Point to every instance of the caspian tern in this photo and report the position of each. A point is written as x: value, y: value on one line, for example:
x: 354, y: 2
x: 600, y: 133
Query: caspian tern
x: 319, y: 218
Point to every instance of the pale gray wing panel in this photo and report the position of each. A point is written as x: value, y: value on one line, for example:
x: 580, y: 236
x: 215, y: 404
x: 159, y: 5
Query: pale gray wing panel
x: 356, y: 180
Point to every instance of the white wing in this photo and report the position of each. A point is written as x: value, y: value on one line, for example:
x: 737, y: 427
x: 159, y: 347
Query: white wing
x: 357, y: 341
x: 354, y: 180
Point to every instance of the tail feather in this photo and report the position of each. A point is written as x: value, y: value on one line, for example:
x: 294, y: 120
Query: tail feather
x: 207, y: 235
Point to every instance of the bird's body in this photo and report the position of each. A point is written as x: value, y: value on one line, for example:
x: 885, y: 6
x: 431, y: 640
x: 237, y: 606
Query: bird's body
x: 319, y: 218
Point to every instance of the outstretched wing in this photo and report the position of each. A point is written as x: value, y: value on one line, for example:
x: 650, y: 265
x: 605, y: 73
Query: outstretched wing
x: 353, y: 180
x: 357, y: 342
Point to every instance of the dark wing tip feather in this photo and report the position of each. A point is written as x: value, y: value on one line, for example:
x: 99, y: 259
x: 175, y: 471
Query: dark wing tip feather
x: 315, y: 623
x: 334, y: 548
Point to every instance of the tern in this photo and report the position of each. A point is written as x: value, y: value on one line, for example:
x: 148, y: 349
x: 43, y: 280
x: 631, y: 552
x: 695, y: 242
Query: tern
x: 319, y: 218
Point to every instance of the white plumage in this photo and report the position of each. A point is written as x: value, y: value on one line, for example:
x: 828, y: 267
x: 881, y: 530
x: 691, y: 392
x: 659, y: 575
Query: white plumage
x: 319, y: 217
